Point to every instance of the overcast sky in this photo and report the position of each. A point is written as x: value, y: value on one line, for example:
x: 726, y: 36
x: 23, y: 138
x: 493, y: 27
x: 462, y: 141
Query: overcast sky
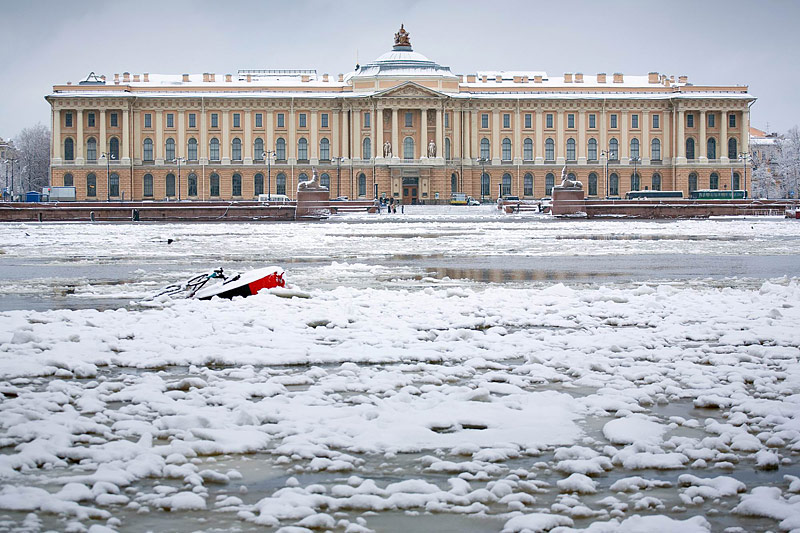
x: 753, y: 42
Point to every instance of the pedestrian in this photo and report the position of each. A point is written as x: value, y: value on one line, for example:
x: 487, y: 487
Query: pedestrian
x: 401, y: 208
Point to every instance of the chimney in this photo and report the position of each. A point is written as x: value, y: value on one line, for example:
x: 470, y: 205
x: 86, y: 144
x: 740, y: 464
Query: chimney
x: 146, y: 77
x: 341, y: 78
x: 325, y: 78
x: 472, y: 78
x: 484, y: 78
x: 537, y: 78
x: 525, y: 79
x: 652, y: 77
x: 228, y: 78
x: 579, y: 77
x: 498, y: 78
x: 672, y: 79
x: 136, y: 78
x: 601, y: 77
x: 683, y: 79
x: 212, y: 77
x: 618, y: 77
x: 185, y: 78
x: 517, y: 79
x: 103, y: 77
x: 249, y: 78
x: 116, y: 78
x: 568, y: 77
x: 304, y: 78
x: 69, y: 83
x: 126, y: 77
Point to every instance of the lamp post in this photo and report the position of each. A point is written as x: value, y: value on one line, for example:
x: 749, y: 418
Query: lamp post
x: 108, y: 157
x: 742, y: 155
x: 179, y: 160
x: 268, y: 156
x: 338, y: 175
x: 482, y: 161
x: 609, y: 154
x: 635, y: 176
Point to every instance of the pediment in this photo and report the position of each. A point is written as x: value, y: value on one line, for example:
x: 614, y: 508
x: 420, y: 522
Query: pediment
x: 410, y: 89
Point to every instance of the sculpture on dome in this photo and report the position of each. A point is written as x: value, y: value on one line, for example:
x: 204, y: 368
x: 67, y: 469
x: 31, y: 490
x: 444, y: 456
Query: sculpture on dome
x: 401, y: 37
x: 431, y: 149
x: 387, y: 149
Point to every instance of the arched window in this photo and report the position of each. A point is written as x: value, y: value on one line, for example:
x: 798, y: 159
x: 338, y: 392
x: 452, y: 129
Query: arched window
x: 147, y: 150
x: 192, y: 183
x: 506, y: 185
x: 550, y: 150
x: 236, y: 185
x: 302, y: 177
x: 69, y: 149
x: 258, y: 149
x: 732, y: 153
x: 325, y: 149
x: 635, y: 149
x: 91, y: 185
x: 302, y: 149
x: 258, y: 184
x: 214, y: 184
x: 486, y: 184
x: 366, y: 148
x: 213, y: 153
x: 170, y: 149
x: 325, y: 180
x: 236, y: 149
x: 447, y: 149
x: 113, y: 148
x: 280, y: 150
x: 191, y: 151
x: 635, y: 181
x: 170, y: 185
x: 506, y: 149
x: 656, y: 182
x: 549, y: 182
x: 362, y: 184
x: 571, y: 150
x: 655, y: 150
x: 453, y: 182
x: 692, y: 182
x: 280, y: 184
x: 527, y: 149
x: 68, y: 180
x: 711, y: 152
x: 91, y: 149
x: 713, y: 181
x: 113, y: 185
x: 592, y: 152
x: 613, y: 185
x: 408, y: 148
x: 689, y: 148
x: 736, y: 184
x: 485, y: 152
x: 527, y: 183
x: 613, y: 150
x: 592, y: 184
x: 147, y: 186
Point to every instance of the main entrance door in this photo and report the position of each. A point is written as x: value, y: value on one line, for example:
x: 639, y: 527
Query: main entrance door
x: 410, y: 191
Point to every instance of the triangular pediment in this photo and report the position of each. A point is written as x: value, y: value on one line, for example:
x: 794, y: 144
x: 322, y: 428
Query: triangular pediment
x: 410, y: 89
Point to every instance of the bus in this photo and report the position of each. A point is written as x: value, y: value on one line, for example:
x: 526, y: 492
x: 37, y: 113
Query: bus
x: 717, y: 194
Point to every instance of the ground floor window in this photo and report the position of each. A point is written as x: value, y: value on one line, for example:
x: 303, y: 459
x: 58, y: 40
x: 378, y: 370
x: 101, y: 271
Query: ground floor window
x: 656, y: 182
x: 113, y: 185
x: 485, y: 185
x: 362, y: 185
x: 170, y: 185
x: 258, y: 184
x: 214, y: 185
x: 147, y: 186
x: 506, y: 185
x: 528, y: 185
x: 713, y: 181
x: 91, y: 185
x: 549, y: 182
x: 613, y: 185
x: 280, y: 184
x: 592, y: 184
x: 192, y: 185
x: 692, y: 182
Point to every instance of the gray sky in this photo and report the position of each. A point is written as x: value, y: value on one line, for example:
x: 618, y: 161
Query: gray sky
x: 753, y: 43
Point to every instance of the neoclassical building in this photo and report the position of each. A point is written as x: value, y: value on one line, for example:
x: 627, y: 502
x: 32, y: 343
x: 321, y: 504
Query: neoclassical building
x: 402, y: 126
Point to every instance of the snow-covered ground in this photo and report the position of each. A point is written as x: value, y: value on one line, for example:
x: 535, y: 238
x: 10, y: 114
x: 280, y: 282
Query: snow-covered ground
x: 435, y: 373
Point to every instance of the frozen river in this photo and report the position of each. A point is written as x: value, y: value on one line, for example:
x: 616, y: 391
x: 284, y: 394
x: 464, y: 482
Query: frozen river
x: 435, y: 372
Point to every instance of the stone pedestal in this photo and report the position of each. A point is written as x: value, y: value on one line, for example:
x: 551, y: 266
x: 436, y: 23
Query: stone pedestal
x: 568, y: 201
x: 313, y: 203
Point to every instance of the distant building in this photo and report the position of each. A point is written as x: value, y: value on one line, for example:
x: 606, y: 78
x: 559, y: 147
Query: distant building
x: 7, y: 150
x: 401, y: 125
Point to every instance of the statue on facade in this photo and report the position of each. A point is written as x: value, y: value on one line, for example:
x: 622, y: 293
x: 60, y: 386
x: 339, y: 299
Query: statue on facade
x: 566, y: 182
x: 431, y: 149
x: 313, y: 183
x: 401, y: 37
x: 387, y: 149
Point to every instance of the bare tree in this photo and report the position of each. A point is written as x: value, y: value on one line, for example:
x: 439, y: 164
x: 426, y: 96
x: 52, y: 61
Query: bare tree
x: 33, y: 151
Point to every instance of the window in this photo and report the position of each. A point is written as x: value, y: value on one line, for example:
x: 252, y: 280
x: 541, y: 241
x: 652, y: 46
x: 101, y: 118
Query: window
x: 113, y: 185
x: 114, y: 120
x: 634, y: 148
x: 302, y: 177
x: 147, y: 151
x: 735, y: 181
x: 549, y: 182
x: 214, y: 150
x: 447, y: 120
x: 68, y: 119
x: 592, y: 121
x: 635, y: 121
x: 484, y: 120
x: 325, y: 149
x: 302, y: 120
x: 548, y: 120
x: 367, y: 120
x: 280, y: 149
x: 655, y: 150
x: 282, y: 123
x: 236, y: 149
x: 447, y: 149
x: 732, y: 153
x: 613, y: 185
x: 302, y: 149
x: 690, y: 120
x: 170, y: 149
x: 366, y: 148
x: 90, y: 119
x: 592, y: 184
x: 113, y: 147
x: 325, y: 180
x: 655, y: 182
x: 453, y: 182
x: 409, y: 119
x: 614, y: 121
x: 711, y: 146
x: 170, y: 185
x: 732, y: 120
x: 192, y: 120
x: 214, y: 120
x: 91, y: 149
x: 148, y: 120
x: 91, y: 185
x: 571, y: 150
x: 214, y: 183
x: 505, y: 185
x: 506, y: 149
x: 527, y: 185
x: 656, y: 121
x: 527, y: 149
x: 408, y: 148
x: 192, y: 150
x: 613, y: 150
x: 635, y: 181
x: 362, y: 185
x: 550, y: 150
x: 236, y: 185
x: 323, y: 120
x: 506, y: 120
x: 147, y: 186
x: 68, y: 180
x: 592, y: 152
x: 258, y: 184
x: 485, y: 149
x: 258, y: 149
x: 713, y: 181
x: 528, y: 120
x: 486, y: 184
x: 690, y: 148
x: 237, y: 120
x: 692, y: 182
x: 711, y: 120
x: 259, y: 120
x: 170, y: 120
x: 571, y: 120
x: 192, y: 183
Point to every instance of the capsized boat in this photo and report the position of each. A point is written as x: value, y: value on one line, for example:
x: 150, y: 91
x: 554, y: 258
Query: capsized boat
x: 243, y: 284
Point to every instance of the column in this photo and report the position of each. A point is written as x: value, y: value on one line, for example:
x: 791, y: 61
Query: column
x: 474, y: 136
x: 158, y: 148
x: 313, y: 148
x: 291, y: 141
x: 624, y: 143
x: 723, y: 138
x: 517, y: 142
x: 666, y: 140
x: 681, y: 140
x: 581, y: 148
x: 56, y: 136
x: 126, y: 136
x: 395, y: 134
x: 560, y: 143
x: 456, y: 146
x: 79, y: 160
x: 247, y: 149
x: 603, y: 136
x: 226, y: 137
x: 538, y: 136
x: 700, y: 146
x: 355, y: 116
x: 102, y: 142
x: 378, y: 127
x: 644, y: 147
x: 336, y: 148
x: 203, y: 155
x: 423, y: 133
x: 745, y: 128
x: 440, y: 135
x: 373, y: 133
x: 180, y: 148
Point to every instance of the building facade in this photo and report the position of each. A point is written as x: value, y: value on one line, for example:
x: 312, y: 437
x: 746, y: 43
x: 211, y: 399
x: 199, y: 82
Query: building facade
x: 401, y: 126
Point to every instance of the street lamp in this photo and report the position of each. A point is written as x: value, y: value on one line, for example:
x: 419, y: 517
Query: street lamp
x: 744, y: 156
x: 268, y: 156
x: 635, y: 176
x: 338, y: 175
x: 609, y: 154
x: 108, y: 157
x: 179, y: 160
x: 482, y: 161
